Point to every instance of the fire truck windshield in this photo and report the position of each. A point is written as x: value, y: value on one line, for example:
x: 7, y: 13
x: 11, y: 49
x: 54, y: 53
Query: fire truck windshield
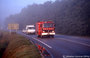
x: 47, y: 25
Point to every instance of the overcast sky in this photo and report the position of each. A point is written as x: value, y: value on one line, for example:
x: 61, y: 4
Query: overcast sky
x: 8, y: 7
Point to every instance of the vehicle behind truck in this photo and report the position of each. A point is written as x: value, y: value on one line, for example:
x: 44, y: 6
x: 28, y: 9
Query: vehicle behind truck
x: 45, y: 28
x: 30, y: 29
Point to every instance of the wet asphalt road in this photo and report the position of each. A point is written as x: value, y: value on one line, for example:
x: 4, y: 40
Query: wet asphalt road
x: 63, y: 46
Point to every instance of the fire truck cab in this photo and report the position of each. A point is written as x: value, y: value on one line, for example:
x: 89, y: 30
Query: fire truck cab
x: 45, y: 28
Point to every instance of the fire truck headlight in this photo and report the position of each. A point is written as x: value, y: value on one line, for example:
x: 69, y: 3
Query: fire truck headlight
x: 52, y: 31
x: 44, y: 33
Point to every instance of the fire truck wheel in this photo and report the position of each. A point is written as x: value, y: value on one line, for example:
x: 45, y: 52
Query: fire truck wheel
x: 41, y: 36
x: 38, y: 36
x: 52, y: 36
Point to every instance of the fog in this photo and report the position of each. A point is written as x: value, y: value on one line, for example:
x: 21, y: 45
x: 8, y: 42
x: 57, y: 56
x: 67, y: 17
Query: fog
x: 72, y: 17
x: 8, y: 7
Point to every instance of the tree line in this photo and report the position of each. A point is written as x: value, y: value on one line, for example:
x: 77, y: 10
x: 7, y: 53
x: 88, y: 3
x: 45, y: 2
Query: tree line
x: 71, y: 17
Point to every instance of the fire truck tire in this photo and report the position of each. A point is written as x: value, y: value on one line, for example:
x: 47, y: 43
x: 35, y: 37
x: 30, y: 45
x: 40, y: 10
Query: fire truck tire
x: 38, y: 36
x: 52, y: 36
x: 41, y: 36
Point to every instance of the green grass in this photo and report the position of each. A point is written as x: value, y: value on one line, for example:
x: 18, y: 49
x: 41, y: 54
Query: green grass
x: 17, y: 46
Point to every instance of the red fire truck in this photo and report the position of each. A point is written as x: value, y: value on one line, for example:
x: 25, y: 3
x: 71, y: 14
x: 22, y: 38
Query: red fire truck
x: 45, y: 28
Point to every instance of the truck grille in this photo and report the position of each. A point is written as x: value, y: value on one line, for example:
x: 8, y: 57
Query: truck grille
x: 48, y: 30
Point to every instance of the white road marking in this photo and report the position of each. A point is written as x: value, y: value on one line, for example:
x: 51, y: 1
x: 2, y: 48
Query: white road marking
x: 42, y: 42
x: 76, y: 42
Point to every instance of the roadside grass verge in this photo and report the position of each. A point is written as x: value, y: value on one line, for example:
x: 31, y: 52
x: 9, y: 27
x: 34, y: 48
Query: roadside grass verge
x: 17, y: 46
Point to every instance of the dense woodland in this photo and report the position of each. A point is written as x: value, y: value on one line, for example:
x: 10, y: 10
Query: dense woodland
x: 72, y: 17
